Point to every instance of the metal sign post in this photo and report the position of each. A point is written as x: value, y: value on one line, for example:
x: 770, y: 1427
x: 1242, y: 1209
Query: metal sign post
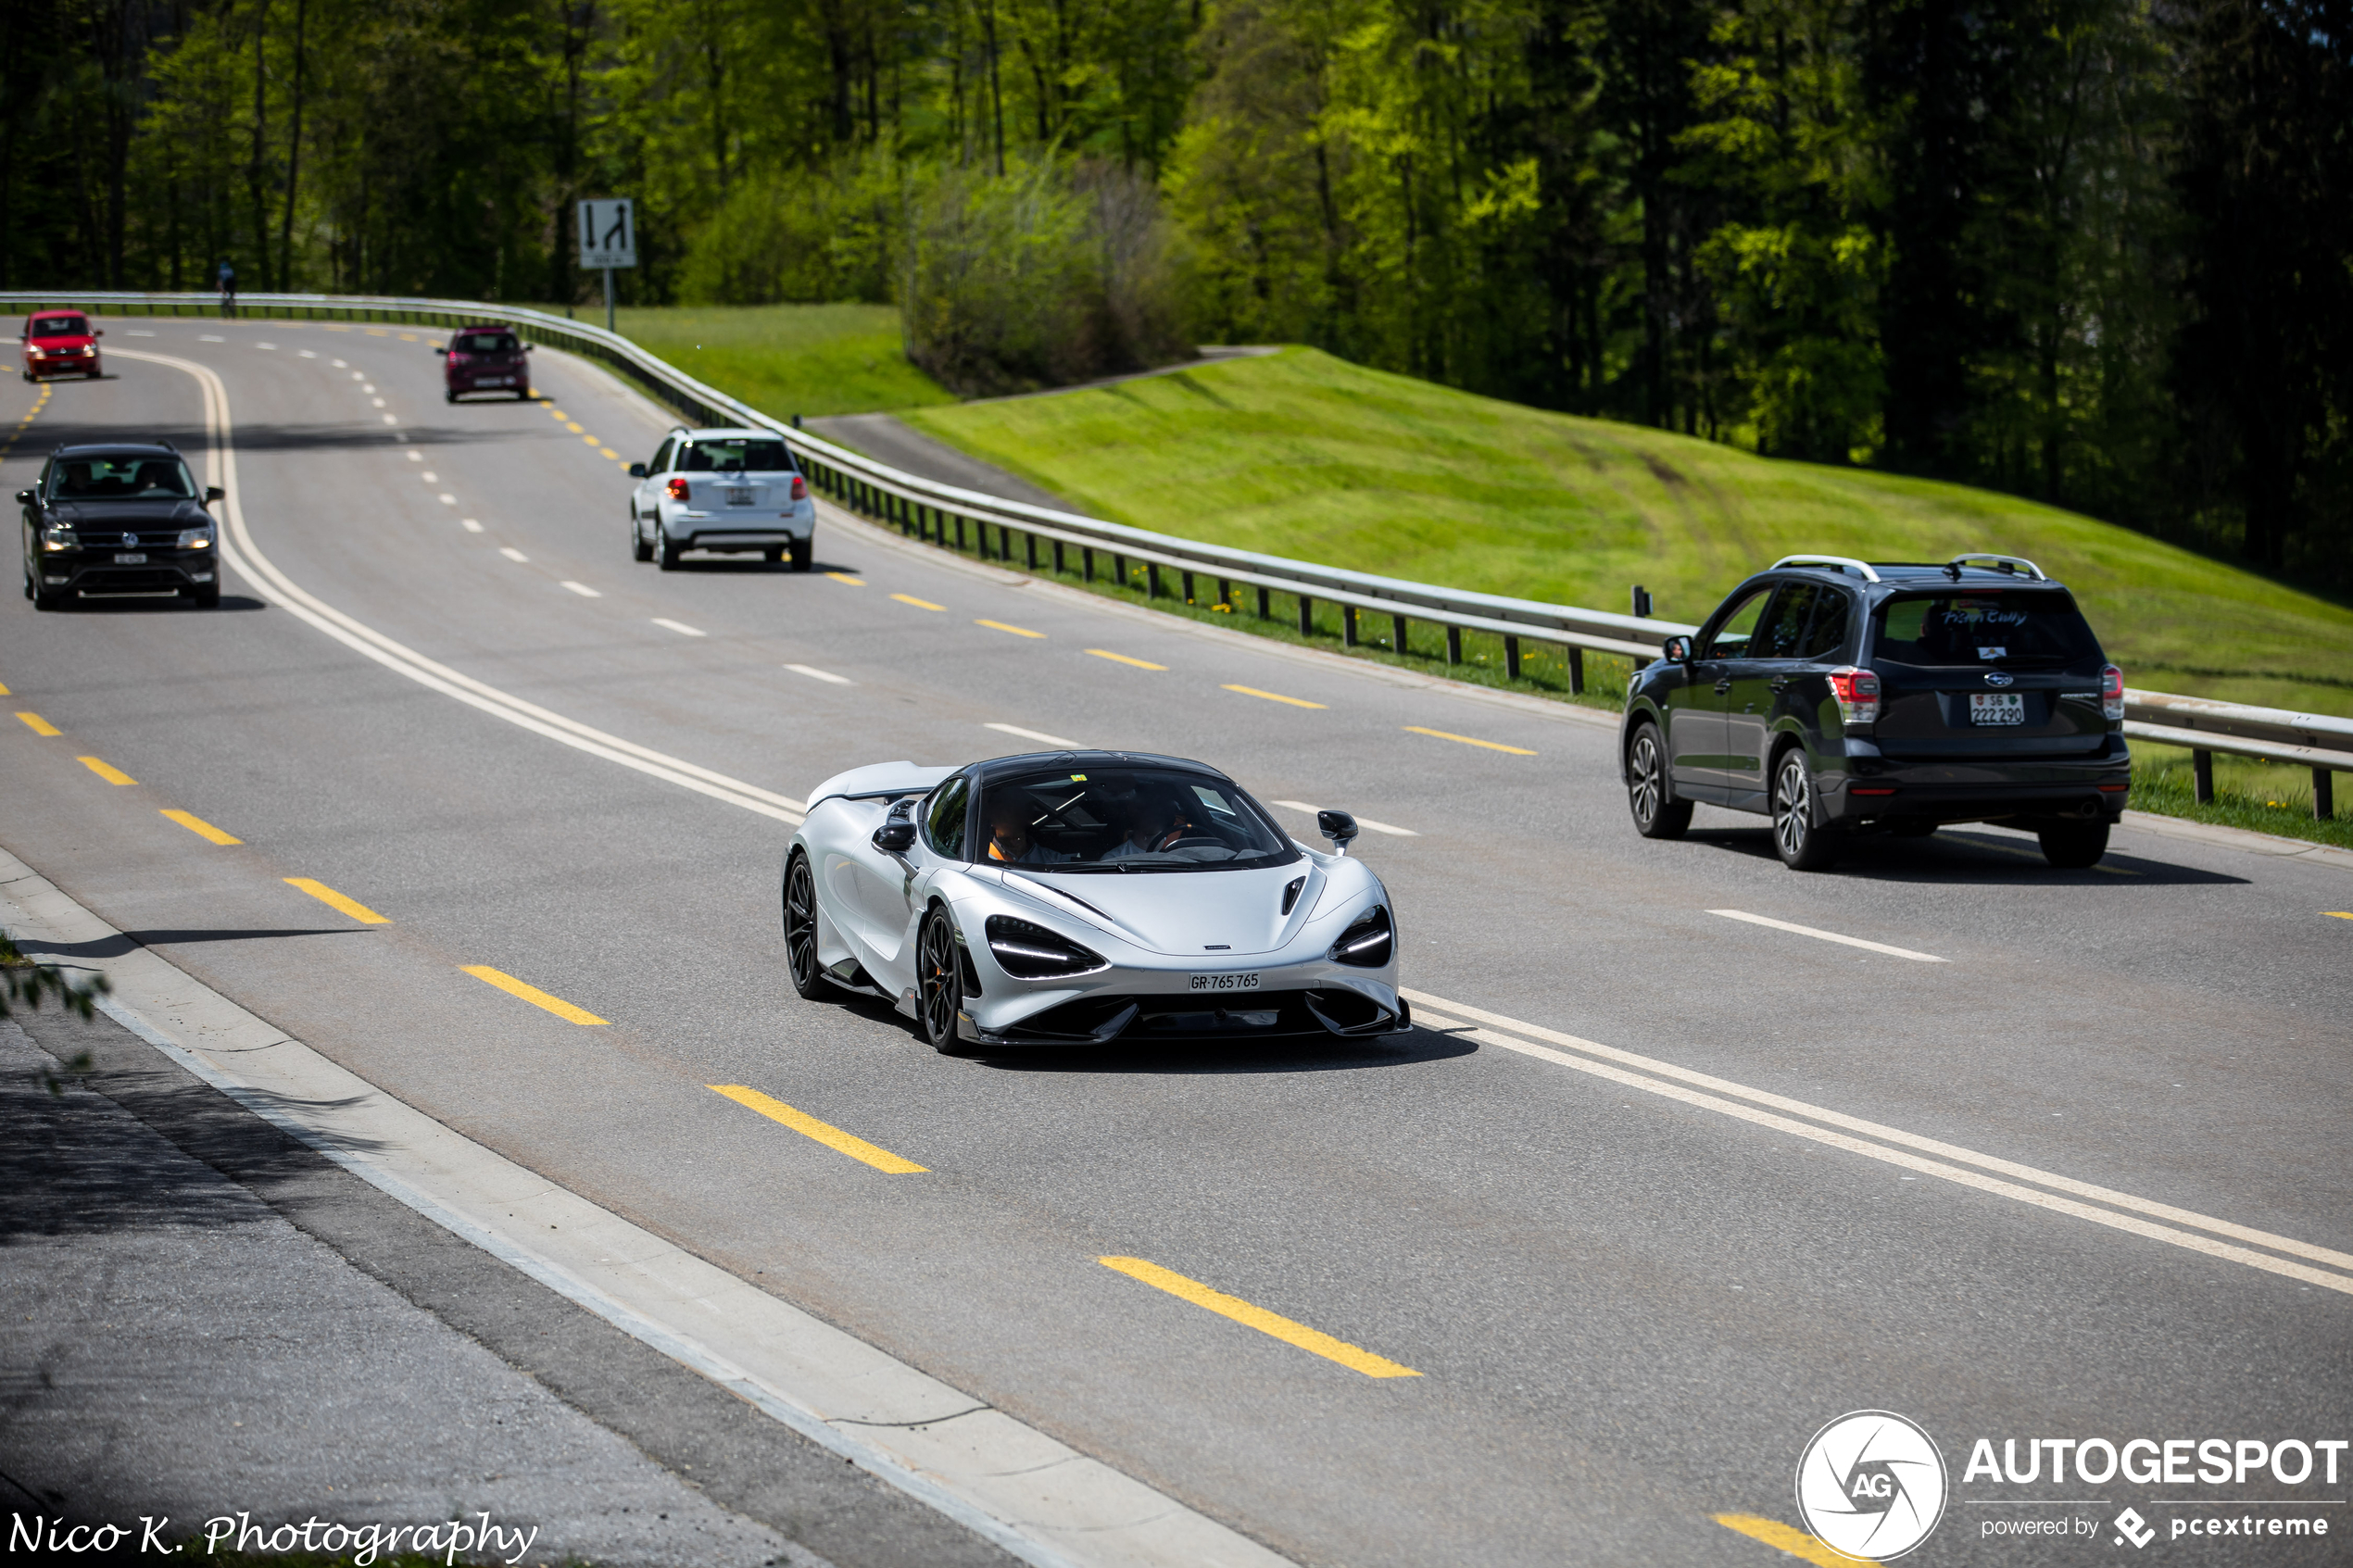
x: 608, y: 239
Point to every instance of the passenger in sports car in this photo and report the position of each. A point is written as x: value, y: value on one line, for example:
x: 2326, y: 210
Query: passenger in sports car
x: 1010, y: 843
x: 1154, y: 822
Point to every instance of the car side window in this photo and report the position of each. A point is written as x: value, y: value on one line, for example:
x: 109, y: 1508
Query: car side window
x: 944, y: 820
x: 1734, y: 632
x: 661, y: 458
x: 1827, y: 634
x: 1783, y: 631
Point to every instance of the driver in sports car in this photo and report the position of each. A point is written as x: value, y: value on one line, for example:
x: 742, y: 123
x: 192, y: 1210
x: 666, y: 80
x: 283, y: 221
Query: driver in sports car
x: 1154, y: 822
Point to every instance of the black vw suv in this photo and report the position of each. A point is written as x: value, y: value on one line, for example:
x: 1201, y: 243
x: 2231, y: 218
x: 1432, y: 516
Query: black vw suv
x: 1843, y: 698
x: 118, y: 519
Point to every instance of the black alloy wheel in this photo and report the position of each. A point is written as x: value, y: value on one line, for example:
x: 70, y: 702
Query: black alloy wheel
x: 667, y: 546
x: 2072, y: 846
x: 1654, y: 815
x: 1804, y: 844
x: 639, y: 548
x: 801, y: 928
x: 802, y: 551
x: 939, y: 983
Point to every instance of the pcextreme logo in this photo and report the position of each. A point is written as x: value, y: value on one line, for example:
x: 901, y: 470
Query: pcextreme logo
x: 1871, y: 1485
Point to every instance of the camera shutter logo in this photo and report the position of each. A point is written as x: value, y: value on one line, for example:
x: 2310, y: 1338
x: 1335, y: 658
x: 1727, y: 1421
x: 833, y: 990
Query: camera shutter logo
x: 1871, y: 1485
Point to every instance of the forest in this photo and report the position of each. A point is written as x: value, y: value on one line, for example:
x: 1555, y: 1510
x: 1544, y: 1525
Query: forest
x: 2094, y: 252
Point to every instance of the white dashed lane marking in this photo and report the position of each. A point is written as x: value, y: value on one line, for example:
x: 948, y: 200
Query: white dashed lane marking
x: 680, y: 627
x: 512, y: 553
x: 825, y: 675
x: 1366, y: 822
x: 1829, y: 937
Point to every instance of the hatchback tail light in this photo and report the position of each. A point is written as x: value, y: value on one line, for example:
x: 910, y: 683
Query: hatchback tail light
x: 799, y: 488
x: 1858, y: 694
x: 678, y: 491
x: 2112, y: 693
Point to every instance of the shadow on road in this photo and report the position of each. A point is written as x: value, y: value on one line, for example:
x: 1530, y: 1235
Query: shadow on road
x: 1978, y: 859
x: 123, y: 942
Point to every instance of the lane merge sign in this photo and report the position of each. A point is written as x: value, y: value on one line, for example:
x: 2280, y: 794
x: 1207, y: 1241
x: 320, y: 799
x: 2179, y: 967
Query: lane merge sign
x: 609, y: 232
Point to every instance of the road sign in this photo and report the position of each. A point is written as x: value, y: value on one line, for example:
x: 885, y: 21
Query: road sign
x: 609, y: 232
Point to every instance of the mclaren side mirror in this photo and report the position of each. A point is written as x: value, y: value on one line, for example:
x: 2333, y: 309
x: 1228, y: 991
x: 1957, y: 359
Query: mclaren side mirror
x: 637, y: 471
x: 214, y: 492
x: 1676, y: 650
x: 1338, y: 826
x: 895, y: 837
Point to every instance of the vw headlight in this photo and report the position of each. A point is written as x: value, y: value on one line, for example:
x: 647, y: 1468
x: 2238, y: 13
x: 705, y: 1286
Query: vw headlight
x: 1032, y: 952
x: 1367, y: 942
x: 55, y: 538
x: 195, y: 538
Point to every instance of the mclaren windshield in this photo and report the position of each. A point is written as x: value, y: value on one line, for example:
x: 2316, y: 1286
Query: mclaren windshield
x: 1125, y: 820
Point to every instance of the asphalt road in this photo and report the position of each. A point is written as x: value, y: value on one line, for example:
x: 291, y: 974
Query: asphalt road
x: 1629, y: 1310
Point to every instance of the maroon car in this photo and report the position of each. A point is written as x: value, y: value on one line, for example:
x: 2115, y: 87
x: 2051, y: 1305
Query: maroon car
x: 485, y: 358
x: 59, y: 343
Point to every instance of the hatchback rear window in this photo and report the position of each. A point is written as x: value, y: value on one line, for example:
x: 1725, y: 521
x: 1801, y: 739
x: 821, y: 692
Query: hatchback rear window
x: 736, y: 457
x: 485, y: 342
x: 1996, y: 626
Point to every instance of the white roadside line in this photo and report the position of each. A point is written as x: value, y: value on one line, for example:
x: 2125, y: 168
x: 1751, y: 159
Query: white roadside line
x: 825, y: 675
x: 1038, y: 736
x: 583, y: 589
x: 239, y: 549
x: 1360, y: 821
x: 512, y: 554
x: 1438, y: 1013
x: 1041, y: 1500
x: 1829, y: 937
x: 680, y: 627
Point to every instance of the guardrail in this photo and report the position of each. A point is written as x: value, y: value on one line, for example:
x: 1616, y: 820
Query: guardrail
x: 942, y: 513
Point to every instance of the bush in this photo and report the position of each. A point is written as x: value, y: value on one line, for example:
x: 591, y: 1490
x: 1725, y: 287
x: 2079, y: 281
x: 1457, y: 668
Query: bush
x: 803, y: 236
x: 1056, y: 272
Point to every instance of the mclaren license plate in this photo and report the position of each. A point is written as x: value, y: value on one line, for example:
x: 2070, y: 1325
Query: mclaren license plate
x: 1224, y: 982
x: 129, y: 558
x: 1996, y: 708
x: 739, y: 497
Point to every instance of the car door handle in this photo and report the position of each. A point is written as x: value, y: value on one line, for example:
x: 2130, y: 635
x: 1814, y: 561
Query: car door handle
x: 1723, y: 685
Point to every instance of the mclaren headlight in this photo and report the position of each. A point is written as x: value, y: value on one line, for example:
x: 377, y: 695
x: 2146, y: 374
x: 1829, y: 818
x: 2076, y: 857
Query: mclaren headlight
x: 1032, y: 952
x: 195, y: 538
x: 1367, y: 941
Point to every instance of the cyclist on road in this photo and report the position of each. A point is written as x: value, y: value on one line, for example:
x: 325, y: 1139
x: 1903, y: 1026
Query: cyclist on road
x: 228, y: 290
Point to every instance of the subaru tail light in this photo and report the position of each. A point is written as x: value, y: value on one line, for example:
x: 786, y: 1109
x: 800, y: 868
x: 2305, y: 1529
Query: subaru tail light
x: 1858, y: 694
x: 799, y: 488
x: 2112, y: 693
x: 678, y: 490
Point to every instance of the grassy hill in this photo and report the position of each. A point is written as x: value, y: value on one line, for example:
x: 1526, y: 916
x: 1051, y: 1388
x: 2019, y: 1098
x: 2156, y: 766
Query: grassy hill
x: 788, y: 359
x: 1303, y: 454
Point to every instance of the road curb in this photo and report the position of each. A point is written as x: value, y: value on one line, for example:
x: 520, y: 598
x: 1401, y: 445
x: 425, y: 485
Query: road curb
x: 2244, y: 839
x: 1030, y: 1494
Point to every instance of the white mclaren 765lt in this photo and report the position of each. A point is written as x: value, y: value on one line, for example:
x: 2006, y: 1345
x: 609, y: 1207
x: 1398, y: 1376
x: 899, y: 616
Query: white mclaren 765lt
x: 1078, y: 897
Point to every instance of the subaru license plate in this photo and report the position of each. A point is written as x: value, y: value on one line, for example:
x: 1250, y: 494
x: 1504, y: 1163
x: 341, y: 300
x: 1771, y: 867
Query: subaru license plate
x: 739, y: 497
x: 1224, y: 982
x: 129, y: 558
x: 1996, y: 708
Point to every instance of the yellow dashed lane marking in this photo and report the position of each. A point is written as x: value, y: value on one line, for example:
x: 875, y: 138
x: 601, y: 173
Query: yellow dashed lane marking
x: 1797, y: 1543
x: 1016, y: 631
x: 113, y: 775
x: 919, y: 604
x: 334, y: 900
x: 1275, y: 697
x: 1258, y: 1318
x: 1468, y: 740
x: 201, y: 828
x: 845, y: 577
x: 833, y: 1137
x: 40, y: 726
x: 1123, y: 658
x: 530, y: 993
x: 2339, y: 914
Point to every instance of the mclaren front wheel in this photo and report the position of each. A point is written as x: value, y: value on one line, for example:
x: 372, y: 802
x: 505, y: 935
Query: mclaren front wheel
x: 939, y: 983
x: 800, y: 929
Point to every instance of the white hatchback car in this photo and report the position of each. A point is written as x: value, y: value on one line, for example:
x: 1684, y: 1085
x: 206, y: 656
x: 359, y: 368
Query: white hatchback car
x: 732, y: 492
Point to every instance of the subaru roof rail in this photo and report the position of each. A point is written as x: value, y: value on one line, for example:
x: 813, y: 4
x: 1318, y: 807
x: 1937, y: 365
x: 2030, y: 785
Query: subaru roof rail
x: 1837, y: 563
x: 2001, y: 563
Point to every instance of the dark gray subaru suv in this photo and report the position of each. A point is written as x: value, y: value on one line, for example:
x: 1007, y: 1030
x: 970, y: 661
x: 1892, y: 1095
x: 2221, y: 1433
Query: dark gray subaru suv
x: 1843, y: 698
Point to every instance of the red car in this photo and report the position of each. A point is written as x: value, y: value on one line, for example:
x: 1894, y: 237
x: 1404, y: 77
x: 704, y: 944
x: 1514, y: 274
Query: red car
x: 59, y: 343
x: 485, y: 358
